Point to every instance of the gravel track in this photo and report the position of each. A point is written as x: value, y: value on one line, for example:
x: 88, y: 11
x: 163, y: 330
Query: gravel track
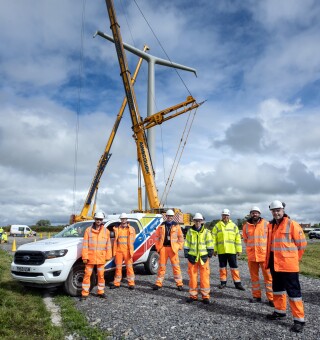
x: 164, y: 314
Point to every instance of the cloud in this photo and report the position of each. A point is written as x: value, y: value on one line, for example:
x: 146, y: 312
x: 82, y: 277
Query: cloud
x: 254, y: 140
x: 243, y: 136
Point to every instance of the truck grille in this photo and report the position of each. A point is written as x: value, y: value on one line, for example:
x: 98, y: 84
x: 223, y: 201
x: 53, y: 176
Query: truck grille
x: 35, y: 258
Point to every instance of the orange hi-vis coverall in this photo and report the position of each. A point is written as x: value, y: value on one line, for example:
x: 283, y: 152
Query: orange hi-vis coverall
x: 169, y: 248
x: 96, y: 249
x: 285, y: 247
x: 255, y: 238
x: 123, y: 248
x: 198, y: 248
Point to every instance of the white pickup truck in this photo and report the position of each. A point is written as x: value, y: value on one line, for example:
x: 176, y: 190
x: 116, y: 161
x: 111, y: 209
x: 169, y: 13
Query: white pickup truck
x: 57, y: 261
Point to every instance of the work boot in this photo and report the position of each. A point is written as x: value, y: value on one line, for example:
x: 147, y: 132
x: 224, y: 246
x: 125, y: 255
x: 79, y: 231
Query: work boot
x: 206, y: 301
x: 255, y: 299
x: 155, y: 287
x: 222, y: 285
x: 297, y: 327
x: 114, y: 287
x: 270, y: 303
x: 239, y: 286
x: 276, y: 316
x: 102, y: 296
x: 131, y: 287
x: 190, y: 300
x: 180, y: 288
x: 83, y: 298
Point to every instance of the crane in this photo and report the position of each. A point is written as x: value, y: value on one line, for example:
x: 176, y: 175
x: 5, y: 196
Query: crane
x: 138, y: 125
x: 93, y: 190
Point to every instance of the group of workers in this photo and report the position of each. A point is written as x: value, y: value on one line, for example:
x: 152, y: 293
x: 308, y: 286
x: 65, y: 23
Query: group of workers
x: 275, y: 247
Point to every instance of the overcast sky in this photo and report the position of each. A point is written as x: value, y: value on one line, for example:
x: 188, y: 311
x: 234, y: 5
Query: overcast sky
x: 254, y: 140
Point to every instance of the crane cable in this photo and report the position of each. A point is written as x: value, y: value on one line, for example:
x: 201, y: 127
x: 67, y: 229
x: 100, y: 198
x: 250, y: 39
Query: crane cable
x: 76, y: 147
x: 175, y: 162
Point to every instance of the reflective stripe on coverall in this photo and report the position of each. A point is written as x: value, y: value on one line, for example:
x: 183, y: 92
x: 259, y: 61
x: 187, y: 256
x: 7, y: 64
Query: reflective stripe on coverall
x: 227, y: 242
x: 123, y: 249
x: 96, y: 249
x: 197, y: 244
x: 285, y: 247
x: 165, y: 252
x: 255, y: 238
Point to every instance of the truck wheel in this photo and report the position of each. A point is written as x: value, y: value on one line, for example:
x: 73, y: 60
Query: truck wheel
x: 152, y: 264
x: 73, y: 284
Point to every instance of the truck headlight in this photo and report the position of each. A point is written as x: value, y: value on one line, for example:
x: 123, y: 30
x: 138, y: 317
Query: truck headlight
x: 51, y: 254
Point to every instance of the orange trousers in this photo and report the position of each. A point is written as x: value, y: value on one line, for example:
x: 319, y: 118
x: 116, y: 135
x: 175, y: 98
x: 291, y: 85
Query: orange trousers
x: 165, y: 253
x: 123, y: 256
x: 255, y: 281
x: 87, y: 275
x: 204, y: 270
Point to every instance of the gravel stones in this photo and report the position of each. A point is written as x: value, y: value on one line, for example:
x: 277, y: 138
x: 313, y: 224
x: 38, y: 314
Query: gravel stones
x: 164, y: 314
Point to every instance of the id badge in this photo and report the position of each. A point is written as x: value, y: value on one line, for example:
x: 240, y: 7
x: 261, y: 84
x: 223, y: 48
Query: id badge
x: 168, y: 238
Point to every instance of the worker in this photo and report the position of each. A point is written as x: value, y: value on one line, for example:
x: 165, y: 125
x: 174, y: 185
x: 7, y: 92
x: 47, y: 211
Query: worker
x: 285, y: 246
x: 123, y: 248
x: 96, y: 251
x: 227, y: 244
x: 4, y: 237
x: 254, y: 233
x: 198, y: 248
x: 1, y: 232
x: 168, y: 241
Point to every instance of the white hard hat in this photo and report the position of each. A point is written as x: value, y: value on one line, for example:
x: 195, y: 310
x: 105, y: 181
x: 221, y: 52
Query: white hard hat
x: 197, y: 216
x: 226, y: 212
x: 99, y: 214
x: 170, y: 212
x: 123, y: 215
x: 276, y: 205
x: 255, y: 208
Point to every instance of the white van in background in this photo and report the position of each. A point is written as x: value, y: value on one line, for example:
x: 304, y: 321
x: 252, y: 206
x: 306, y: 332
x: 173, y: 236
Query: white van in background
x: 21, y: 230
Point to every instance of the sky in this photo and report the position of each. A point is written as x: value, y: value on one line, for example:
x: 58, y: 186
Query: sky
x: 254, y: 140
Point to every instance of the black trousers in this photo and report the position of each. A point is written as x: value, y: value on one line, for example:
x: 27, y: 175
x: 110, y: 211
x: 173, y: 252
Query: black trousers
x: 285, y: 281
x: 228, y: 258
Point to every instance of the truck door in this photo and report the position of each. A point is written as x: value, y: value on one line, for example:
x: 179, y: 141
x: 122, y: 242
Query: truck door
x: 140, y: 245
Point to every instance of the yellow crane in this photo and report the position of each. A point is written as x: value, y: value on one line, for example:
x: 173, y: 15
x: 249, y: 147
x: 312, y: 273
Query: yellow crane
x: 93, y: 190
x: 138, y: 125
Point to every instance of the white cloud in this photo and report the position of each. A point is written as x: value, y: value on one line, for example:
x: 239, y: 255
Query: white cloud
x: 254, y: 140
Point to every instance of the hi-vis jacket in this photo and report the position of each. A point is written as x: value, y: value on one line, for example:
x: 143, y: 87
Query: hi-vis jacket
x: 255, y: 238
x: 226, y: 238
x: 198, y: 243
x: 287, y: 242
x: 96, y: 246
x: 176, y: 237
x: 131, y: 236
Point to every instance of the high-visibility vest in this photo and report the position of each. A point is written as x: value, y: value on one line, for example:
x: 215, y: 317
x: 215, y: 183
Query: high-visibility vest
x: 96, y: 245
x: 131, y: 236
x: 288, y: 243
x: 226, y: 238
x: 197, y: 243
x: 255, y: 238
x: 176, y: 237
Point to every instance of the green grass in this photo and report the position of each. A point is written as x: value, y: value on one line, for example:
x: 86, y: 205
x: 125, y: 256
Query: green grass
x: 309, y: 265
x: 23, y: 314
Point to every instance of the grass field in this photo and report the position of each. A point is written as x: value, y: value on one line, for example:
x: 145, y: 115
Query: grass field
x: 23, y: 314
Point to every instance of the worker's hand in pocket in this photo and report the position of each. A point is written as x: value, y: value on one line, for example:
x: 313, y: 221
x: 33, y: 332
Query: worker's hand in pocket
x: 85, y: 261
